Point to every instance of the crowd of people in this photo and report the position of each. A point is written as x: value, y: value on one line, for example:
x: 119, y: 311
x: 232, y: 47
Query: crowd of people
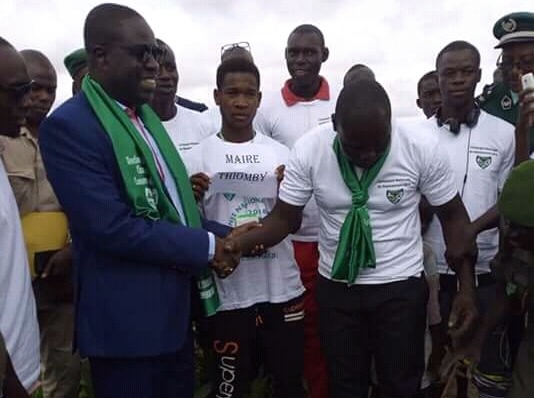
x: 298, y: 232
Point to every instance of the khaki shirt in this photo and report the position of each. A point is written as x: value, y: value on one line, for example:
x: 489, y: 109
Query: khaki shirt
x: 27, y: 175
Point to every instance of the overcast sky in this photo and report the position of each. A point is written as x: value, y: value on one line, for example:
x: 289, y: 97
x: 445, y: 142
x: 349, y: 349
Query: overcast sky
x: 398, y: 39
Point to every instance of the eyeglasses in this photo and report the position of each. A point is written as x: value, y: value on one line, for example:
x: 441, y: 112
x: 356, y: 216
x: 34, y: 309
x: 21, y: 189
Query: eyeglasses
x: 525, y: 63
x: 143, y: 52
x: 18, y: 90
x: 242, y: 44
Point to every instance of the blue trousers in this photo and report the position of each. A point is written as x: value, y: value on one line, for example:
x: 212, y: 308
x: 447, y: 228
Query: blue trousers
x: 164, y: 376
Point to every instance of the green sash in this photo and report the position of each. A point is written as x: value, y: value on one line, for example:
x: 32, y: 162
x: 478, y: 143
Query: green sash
x: 355, y: 249
x: 138, y: 168
x: 136, y: 163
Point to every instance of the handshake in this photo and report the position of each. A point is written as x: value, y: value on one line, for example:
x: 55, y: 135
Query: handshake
x: 228, y: 250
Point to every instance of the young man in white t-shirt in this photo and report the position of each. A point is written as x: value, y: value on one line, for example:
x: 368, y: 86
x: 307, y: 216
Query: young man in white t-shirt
x: 305, y: 101
x: 18, y: 314
x: 261, y: 309
x: 371, y: 292
x: 481, y: 150
x: 185, y: 126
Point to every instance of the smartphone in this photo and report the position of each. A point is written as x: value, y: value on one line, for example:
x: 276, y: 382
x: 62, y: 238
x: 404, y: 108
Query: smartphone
x: 527, y: 81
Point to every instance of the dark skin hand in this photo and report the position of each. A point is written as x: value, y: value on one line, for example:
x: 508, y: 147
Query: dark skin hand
x: 460, y: 255
x: 469, y: 349
x: 59, y: 263
x: 281, y: 221
x: 200, y: 183
x: 227, y: 256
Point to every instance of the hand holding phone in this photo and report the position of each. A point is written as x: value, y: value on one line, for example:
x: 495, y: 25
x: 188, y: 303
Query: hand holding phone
x: 527, y: 81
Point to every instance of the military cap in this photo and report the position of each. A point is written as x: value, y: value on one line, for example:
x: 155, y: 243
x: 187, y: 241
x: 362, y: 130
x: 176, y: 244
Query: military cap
x: 75, y: 61
x: 514, y: 27
x: 516, y: 202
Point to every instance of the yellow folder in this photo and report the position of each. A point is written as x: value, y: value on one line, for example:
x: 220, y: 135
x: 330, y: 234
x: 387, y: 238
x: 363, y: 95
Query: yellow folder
x: 44, y: 232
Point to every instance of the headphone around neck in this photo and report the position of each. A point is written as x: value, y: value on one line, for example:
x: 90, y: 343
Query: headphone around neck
x: 454, y: 124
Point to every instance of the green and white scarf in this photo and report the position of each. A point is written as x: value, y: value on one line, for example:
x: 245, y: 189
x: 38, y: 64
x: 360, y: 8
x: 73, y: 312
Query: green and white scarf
x: 138, y: 168
x: 355, y: 248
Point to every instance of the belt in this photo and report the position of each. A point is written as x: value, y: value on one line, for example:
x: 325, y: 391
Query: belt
x: 449, y: 282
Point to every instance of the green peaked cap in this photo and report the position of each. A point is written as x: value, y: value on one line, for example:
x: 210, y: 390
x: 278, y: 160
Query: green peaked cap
x: 514, y: 27
x: 75, y: 61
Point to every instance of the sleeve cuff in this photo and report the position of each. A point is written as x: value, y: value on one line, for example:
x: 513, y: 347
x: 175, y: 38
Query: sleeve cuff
x: 211, y: 248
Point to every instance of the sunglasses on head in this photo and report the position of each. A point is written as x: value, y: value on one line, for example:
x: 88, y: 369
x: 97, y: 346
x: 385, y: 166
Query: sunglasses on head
x: 242, y: 44
x: 143, y: 52
x: 18, y: 90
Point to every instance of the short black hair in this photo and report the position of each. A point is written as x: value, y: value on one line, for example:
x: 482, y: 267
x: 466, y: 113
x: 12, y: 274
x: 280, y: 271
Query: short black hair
x: 161, y: 43
x: 357, y: 72
x: 236, y: 65
x: 36, y: 57
x: 362, y: 100
x: 5, y: 43
x: 308, y: 28
x: 457, y: 46
x: 101, y: 24
x: 427, y: 76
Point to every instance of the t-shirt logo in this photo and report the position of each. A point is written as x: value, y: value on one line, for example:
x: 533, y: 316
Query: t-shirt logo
x: 506, y: 103
x: 229, y: 196
x: 483, y: 161
x: 394, y: 196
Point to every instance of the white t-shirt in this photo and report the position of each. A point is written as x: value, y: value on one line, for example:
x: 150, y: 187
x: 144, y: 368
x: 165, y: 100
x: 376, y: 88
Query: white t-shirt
x: 187, y: 128
x: 481, y: 158
x: 273, y: 277
x: 18, y: 315
x: 414, y: 166
x: 286, y: 124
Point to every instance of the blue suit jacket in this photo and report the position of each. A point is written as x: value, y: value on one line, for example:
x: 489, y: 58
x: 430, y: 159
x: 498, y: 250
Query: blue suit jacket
x: 133, y: 275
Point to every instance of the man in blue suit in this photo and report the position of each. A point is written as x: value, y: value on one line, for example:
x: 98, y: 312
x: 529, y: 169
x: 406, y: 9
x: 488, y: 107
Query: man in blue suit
x: 134, y: 254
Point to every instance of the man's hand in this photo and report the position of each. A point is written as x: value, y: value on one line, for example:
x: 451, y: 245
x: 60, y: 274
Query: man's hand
x: 227, y: 256
x: 463, y: 314
x: 466, y: 248
x: 467, y: 351
x: 244, y: 228
x: 279, y: 172
x: 200, y: 183
x: 59, y: 264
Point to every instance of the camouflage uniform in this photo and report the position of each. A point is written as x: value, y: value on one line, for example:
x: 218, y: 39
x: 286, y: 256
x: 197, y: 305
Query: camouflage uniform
x: 514, y: 265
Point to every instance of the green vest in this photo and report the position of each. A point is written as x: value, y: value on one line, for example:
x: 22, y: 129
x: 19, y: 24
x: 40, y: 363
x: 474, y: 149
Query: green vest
x: 496, y: 99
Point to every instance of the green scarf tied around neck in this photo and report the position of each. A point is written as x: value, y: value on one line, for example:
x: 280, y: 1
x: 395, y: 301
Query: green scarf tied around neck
x: 144, y: 186
x: 355, y: 249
